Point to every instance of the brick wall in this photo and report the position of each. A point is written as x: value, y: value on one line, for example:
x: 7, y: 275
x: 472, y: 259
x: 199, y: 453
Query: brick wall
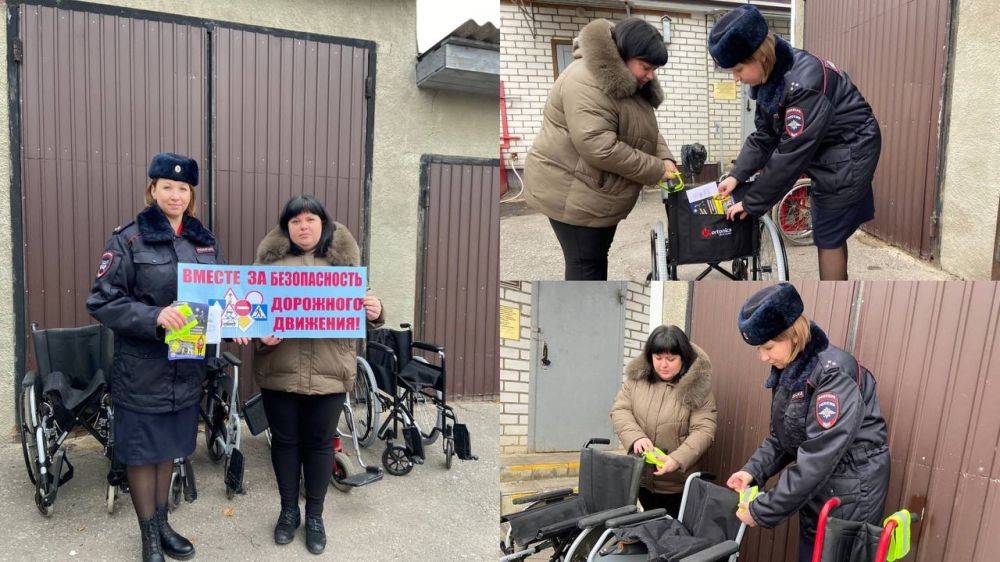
x: 689, y: 112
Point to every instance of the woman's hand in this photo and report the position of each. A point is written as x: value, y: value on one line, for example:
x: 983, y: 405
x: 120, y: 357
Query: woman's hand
x: 373, y: 307
x: 669, y: 169
x: 270, y: 340
x: 739, y: 481
x: 170, y: 318
x: 727, y: 186
x: 642, y: 445
x: 736, y: 209
x: 669, y: 465
x: 743, y: 512
x: 241, y: 341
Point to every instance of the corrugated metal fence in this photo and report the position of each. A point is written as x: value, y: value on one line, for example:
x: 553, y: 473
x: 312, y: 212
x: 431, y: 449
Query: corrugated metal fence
x: 935, y: 350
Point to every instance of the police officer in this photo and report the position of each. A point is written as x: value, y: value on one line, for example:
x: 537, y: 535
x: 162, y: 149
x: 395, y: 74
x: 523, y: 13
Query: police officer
x: 156, y: 400
x: 826, y: 426
x: 810, y: 119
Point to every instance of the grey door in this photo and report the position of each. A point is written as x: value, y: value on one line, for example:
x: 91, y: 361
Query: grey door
x: 576, y: 362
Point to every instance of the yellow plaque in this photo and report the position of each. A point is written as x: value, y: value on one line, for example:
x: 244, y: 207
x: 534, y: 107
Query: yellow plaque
x: 510, y: 322
x: 725, y: 90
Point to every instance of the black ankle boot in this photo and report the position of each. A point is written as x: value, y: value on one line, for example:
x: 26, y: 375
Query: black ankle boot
x: 315, y: 534
x: 288, y: 520
x: 173, y: 544
x: 149, y: 529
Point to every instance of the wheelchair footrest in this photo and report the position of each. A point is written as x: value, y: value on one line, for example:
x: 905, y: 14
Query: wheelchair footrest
x: 190, y: 486
x: 234, y: 471
x: 363, y: 478
x: 463, y: 443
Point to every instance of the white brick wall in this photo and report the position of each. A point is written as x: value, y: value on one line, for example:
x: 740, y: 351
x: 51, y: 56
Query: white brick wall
x: 636, y: 320
x: 689, y: 112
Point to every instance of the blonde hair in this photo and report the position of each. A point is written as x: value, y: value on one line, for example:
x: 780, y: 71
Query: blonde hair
x: 765, y: 55
x: 798, y: 334
x: 192, y: 204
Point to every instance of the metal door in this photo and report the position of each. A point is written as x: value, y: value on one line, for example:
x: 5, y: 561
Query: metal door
x: 576, y: 367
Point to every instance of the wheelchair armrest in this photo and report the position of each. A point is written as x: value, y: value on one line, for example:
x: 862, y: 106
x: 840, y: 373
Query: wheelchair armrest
x: 544, y: 496
x: 601, y: 517
x: 713, y: 553
x: 428, y: 347
x: 380, y: 347
x: 231, y: 359
x: 557, y: 528
x: 635, y: 518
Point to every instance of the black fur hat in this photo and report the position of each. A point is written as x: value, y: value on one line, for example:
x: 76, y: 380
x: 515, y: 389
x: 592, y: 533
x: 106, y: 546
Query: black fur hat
x: 736, y: 36
x: 174, y: 167
x: 768, y: 312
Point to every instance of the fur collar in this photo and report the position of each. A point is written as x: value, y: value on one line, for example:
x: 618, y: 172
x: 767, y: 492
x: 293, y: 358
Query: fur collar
x: 155, y: 228
x: 770, y: 93
x: 596, y: 46
x: 794, y: 376
x: 343, y: 249
x: 693, y: 388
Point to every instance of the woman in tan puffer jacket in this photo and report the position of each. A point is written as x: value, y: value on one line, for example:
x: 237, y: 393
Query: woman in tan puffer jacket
x: 599, y: 142
x: 304, y: 381
x: 666, y: 402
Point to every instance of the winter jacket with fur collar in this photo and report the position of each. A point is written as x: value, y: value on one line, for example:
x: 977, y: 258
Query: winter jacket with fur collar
x: 678, y: 417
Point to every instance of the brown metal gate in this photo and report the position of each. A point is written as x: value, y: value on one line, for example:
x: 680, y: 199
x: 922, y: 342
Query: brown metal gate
x: 934, y: 348
x: 292, y: 115
x: 895, y: 51
x: 458, y: 269
x: 93, y: 107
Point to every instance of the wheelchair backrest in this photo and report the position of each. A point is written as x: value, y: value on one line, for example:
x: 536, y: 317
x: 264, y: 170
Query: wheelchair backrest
x: 710, y: 511
x: 398, y: 340
x: 76, y: 352
x: 608, y: 480
x: 381, y: 362
x: 846, y: 541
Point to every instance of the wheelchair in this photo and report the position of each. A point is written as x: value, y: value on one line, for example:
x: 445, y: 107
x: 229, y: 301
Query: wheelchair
x: 223, y: 430
x: 411, y: 391
x: 565, y: 521
x: 753, y: 245
x: 68, y: 390
x: 706, y: 529
x: 840, y: 540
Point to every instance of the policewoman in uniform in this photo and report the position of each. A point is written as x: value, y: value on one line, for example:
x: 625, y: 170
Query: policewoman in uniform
x: 156, y: 400
x: 826, y: 426
x: 811, y: 119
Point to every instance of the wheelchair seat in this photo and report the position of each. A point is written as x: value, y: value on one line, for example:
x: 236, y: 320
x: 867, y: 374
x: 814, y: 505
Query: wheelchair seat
x: 73, y: 362
x: 418, y: 374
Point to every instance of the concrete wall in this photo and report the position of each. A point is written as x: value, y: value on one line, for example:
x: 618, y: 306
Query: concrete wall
x: 675, y: 303
x: 970, y: 191
x: 408, y: 122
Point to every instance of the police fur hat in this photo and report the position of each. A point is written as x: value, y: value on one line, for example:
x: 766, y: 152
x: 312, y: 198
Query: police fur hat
x: 736, y: 36
x: 768, y: 312
x: 174, y: 167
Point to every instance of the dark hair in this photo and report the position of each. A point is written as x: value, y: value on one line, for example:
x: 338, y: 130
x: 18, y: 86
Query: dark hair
x: 637, y: 39
x: 672, y: 340
x: 307, y: 204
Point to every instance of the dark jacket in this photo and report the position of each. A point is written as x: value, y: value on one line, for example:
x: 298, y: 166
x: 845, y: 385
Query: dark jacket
x: 826, y: 423
x: 137, y: 278
x: 810, y: 119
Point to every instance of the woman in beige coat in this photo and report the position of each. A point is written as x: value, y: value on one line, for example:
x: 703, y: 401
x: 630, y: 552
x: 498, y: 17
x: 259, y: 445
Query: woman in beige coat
x: 304, y: 381
x: 666, y: 402
x: 599, y: 142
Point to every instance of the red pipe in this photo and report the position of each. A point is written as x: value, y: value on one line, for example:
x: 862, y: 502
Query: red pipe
x: 505, y: 138
x: 824, y: 514
x: 883, y: 541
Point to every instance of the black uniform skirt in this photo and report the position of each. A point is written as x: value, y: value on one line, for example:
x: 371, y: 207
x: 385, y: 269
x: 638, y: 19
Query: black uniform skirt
x: 142, y: 438
x: 832, y: 227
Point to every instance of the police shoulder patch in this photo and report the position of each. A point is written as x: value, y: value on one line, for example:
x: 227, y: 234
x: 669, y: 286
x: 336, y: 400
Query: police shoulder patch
x: 107, y: 258
x: 827, y: 409
x: 795, y: 121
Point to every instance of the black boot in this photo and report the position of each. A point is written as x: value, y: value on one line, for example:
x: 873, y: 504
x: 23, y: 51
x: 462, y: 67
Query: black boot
x: 288, y: 520
x: 174, y: 545
x: 150, y: 531
x: 315, y: 534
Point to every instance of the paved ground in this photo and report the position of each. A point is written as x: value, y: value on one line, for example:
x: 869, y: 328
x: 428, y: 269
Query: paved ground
x: 430, y: 514
x: 529, y: 251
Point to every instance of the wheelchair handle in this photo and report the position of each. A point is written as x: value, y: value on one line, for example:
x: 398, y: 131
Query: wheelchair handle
x: 597, y: 441
x: 708, y: 476
x: 231, y: 359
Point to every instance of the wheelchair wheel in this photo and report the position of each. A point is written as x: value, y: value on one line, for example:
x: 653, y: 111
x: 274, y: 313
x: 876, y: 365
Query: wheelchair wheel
x: 395, y: 461
x: 176, y: 489
x: 217, y: 428
x: 365, y: 405
x: 658, y: 245
x: 771, y: 262
x: 341, y: 470
x: 793, y: 214
x: 112, y: 494
x: 427, y: 417
x: 26, y: 427
x: 449, y: 452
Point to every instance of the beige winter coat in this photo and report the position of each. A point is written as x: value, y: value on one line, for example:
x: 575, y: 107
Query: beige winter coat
x: 679, y: 418
x: 599, y: 142
x: 308, y: 366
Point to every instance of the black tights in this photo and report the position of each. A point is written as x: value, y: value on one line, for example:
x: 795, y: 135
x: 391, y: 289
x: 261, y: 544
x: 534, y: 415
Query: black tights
x: 833, y: 263
x: 149, y: 485
x: 302, y: 431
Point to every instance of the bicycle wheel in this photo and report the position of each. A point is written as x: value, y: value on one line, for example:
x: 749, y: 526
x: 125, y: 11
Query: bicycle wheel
x: 770, y: 262
x: 793, y: 214
x: 364, y: 405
